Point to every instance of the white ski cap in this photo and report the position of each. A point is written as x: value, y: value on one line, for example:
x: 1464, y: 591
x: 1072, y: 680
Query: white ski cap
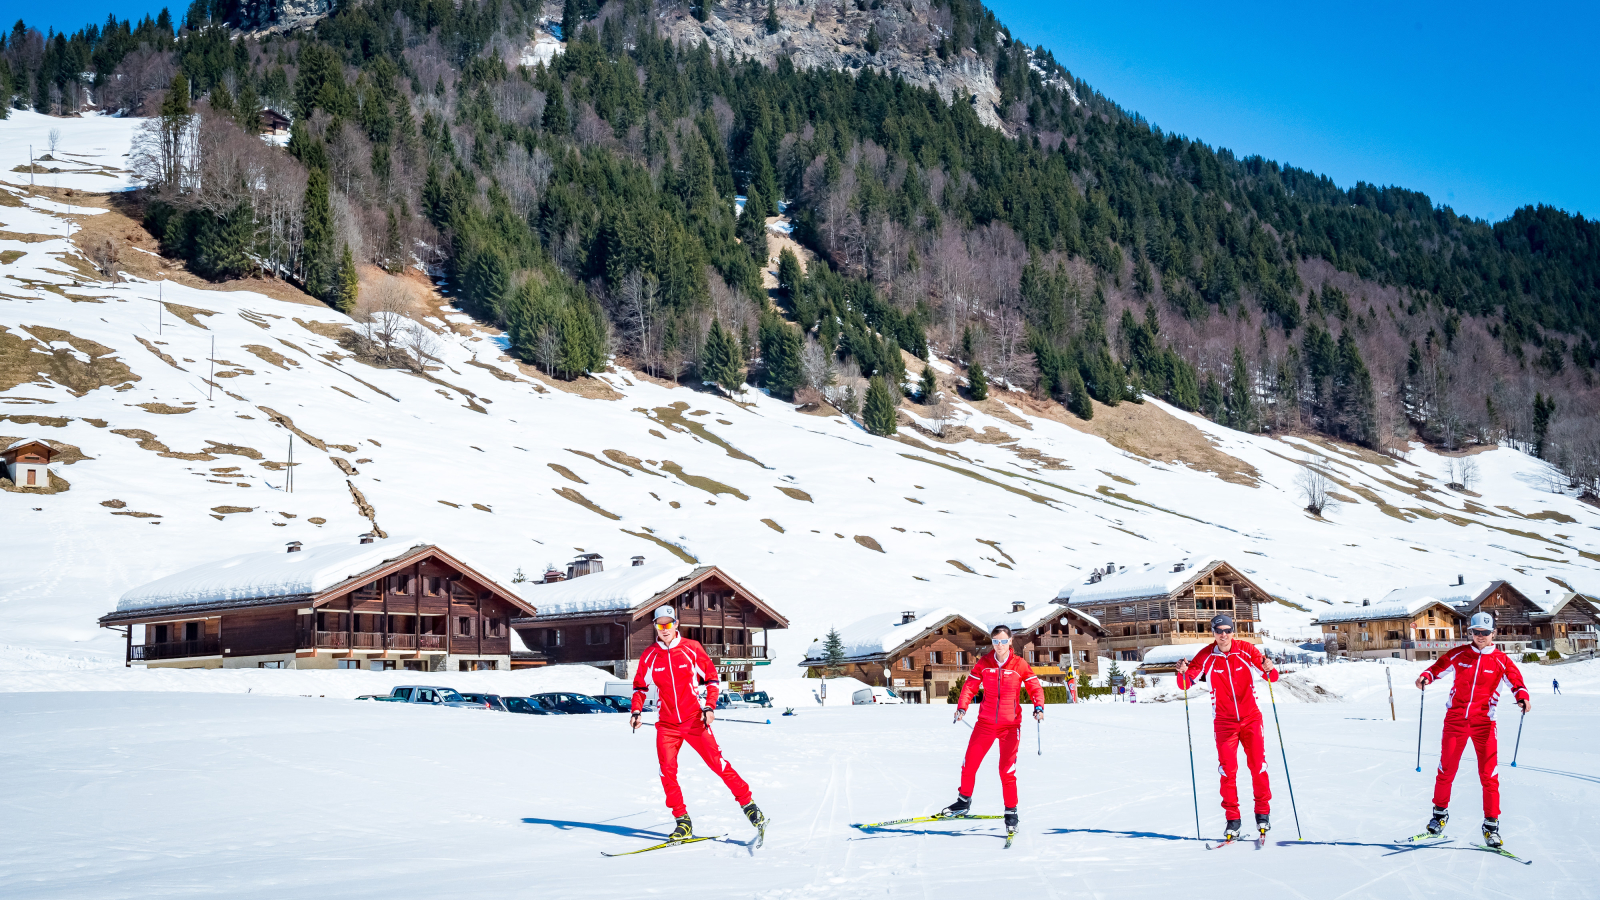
x: 1482, y: 620
x: 666, y: 612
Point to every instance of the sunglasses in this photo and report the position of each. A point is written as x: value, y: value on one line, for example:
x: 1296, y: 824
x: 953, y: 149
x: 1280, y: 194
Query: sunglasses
x: 1222, y: 631
x: 1479, y: 632
x: 1001, y: 640
x: 666, y: 625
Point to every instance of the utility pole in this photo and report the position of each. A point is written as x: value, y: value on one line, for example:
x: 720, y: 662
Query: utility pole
x: 211, y: 381
x: 289, y: 478
x: 160, y: 305
x: 30, y: 171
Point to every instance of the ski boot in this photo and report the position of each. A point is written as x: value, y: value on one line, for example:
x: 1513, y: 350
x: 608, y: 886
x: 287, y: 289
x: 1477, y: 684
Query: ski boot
x: 957, y: 809
x: 1263, y: 822
x: 1491, y: 833
x: 683, y: 831
x: 1011, y: 820
x: 1234, y: 829
x: 754, y: 814
x: 1436, y: 824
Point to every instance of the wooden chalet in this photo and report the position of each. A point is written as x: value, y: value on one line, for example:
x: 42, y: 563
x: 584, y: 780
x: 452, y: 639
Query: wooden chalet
x: 359, y: 605
x: 605, y: 619
x: 1568, y: 623
x: 1514, y: 613
x: 918, y: 654
x: 1406, y: 628
x: 27, y: 463
x: 1051, y: 638
x: 273, y: 122
x: 1171, y: 602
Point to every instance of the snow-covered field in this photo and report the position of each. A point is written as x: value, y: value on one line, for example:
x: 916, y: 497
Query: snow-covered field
x: 190, y: 794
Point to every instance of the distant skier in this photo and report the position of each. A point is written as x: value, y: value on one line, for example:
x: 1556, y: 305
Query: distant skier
x: 685, y: 679
x: 1002, y: 676
x: 1231, y: 666
x: 1555, y: 685
x: 1469, y: 713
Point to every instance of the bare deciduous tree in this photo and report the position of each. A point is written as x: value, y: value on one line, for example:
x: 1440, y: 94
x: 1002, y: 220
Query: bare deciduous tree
x: 422, y: 345
x: 53, y: 140
x: 383, y: 314
x: 1461, y: 472
x: 1313, y: 487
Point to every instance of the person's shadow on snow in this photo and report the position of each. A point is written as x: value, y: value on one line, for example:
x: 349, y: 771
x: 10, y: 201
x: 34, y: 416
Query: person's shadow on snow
x: 621, y: 830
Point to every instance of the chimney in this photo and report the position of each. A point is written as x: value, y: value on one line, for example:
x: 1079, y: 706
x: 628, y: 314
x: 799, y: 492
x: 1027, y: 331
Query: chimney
x: 1020, y: 605
x: 638, y: 560
x: 294, y: 547
x: 1461, y: 580
x: 908, y: 616
x: 367, y: 538
x: 553, y: 575
x: 1111, y: 568
x: 1366, y: 601
x: 1177, y: 567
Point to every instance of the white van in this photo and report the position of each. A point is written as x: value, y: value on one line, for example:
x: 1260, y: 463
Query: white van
x: 870, y: 695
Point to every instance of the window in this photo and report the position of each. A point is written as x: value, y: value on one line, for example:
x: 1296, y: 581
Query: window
x: 493, y: 625
x: 961, y: 657
x: 273, y: 664
x: 478, y: 665
x: 1395, y: 635
x: 936, y: 657
x: 160, y: 634
x: 464, y: 626
x: 1033, y: 657
x: 381, y: 665
x: 349, y: 663
x: 191, y: 631
x: 596, y: 634
x: 415, y: 665
x: 908, y: 664
x: 434, y: 583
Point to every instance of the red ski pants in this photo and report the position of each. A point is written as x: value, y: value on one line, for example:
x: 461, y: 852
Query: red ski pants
x: 1231, y: 735
x: 694, y: 733
x: 984, y: 735
x: 1457, y: 729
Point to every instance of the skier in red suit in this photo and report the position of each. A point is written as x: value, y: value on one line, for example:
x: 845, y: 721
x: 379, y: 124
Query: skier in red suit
x: 685, y: 679
x: 1469, y: 714
x: 1002, y: 676
x: 1230, y: 667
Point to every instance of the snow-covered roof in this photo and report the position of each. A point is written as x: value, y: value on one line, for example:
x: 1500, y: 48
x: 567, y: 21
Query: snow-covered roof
x: 879, y: 634
x: 26, y: 441
x: 266, y: 574
x: 1167, y: 654
x: 1383, y: 609
x: 1453, y: 594
x: 1019, y: 621
x: 1132, y: 582
x: 614, y: 589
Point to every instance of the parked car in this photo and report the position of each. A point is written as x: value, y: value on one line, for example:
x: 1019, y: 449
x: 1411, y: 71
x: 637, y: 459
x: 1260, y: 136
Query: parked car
x: 530, y: 707
x: 421, y: 693
x: 488, y: 701
x: 572, y: 704
x: 620, y: 704
x: 869, y: 695
x: 749, y: 699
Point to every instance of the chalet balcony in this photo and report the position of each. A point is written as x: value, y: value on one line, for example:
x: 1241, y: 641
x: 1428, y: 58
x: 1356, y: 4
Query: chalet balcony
x: 736, y: 651
x: 176, y: 649
x: 1061, y: 640
x: 375, y: 641
x: 1431, y: 645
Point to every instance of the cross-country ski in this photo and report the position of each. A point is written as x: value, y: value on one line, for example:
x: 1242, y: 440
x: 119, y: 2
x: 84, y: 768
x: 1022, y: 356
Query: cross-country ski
x: 1501, y: 851
x: 665, y: 844
x: 915, y: 820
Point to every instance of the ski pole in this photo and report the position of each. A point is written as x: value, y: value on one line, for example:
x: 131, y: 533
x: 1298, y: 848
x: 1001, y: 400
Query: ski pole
x: 1281, y: 749
x: 1194, y: 787
x: 1420, y: 704
x: 1519, y: 740
x: 1038, y: 733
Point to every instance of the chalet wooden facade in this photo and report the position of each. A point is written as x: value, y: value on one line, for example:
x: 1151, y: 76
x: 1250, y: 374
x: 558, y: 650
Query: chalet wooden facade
x: 367, y: 605
x: 1567, y: 623
x: 27, y: 463
x: 918, y: 654
x: 605, y: 619
x: 1419, y: 628
x: 1159, y: 604
x: 1051, y: 638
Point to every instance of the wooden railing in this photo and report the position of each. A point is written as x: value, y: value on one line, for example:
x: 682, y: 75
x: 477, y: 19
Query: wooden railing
x: 736, y: 651
x: 373, y: 640
x: 176, y: 649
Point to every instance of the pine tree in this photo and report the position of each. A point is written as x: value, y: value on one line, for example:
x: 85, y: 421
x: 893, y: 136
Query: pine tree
x: 1544, y: 409
x: 1078, y: 401
x: 348, y: 285
x: 1241, y: 401
x: 879, y: 414
x: 224, y: 245
x: 316, y: 250
x: 789, y: 273
x: 833, y: 654
x: 772, y: 17
x: 720, y: 361
x: 780, y: 356
x: 969, y: 343
x: 752, y: 226
x: 393, y: 248
x: 928, y: 387
x: 978, y: 383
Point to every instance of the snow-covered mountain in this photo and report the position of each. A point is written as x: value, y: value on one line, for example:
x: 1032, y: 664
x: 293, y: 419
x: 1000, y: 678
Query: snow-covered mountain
x: 166, y: 464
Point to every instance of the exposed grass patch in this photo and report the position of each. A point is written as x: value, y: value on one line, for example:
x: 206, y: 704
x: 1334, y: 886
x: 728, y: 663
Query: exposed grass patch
x: 915, y: 500
x: 114, y: 504
x: 595, y: 459
x: 281, y: 419
x: 225, y: 510
x: 868, y: 543
x: 7, y: 257
x: 162, y: 409
x: 585, y: 502
x: 451, y: 505
x: 700, y: 481
x: 960, y: 565
x: 47, y: 421
x: 1118, y: 478
x: 23, y: 360
x: 190, y: 314
x: 632, y: 462
x: 794, y: 493
x: 566, y: 473
x: 269, y: 355
x: 672, y: 548
x: 996, y: 546
x: 773, y: 525
x: 481, y: 508
x: 673, y: 417
x: 1037, y: 498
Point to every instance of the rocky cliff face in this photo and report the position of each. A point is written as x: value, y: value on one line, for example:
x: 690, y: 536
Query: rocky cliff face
x: 822, y: 34
x: 281, y: 15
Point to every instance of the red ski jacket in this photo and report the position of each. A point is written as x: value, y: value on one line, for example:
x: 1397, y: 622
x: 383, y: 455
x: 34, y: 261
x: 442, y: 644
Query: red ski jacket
x: 1002, y: 686
x: 684, y: 676
x: 1476, y: 688
x: 1232, y: 677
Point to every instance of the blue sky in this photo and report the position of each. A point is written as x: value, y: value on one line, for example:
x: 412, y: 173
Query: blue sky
x: 1484, y: 107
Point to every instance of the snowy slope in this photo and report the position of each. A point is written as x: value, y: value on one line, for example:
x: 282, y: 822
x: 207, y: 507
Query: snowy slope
x: 494, y: 463
x: 183, y: 794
